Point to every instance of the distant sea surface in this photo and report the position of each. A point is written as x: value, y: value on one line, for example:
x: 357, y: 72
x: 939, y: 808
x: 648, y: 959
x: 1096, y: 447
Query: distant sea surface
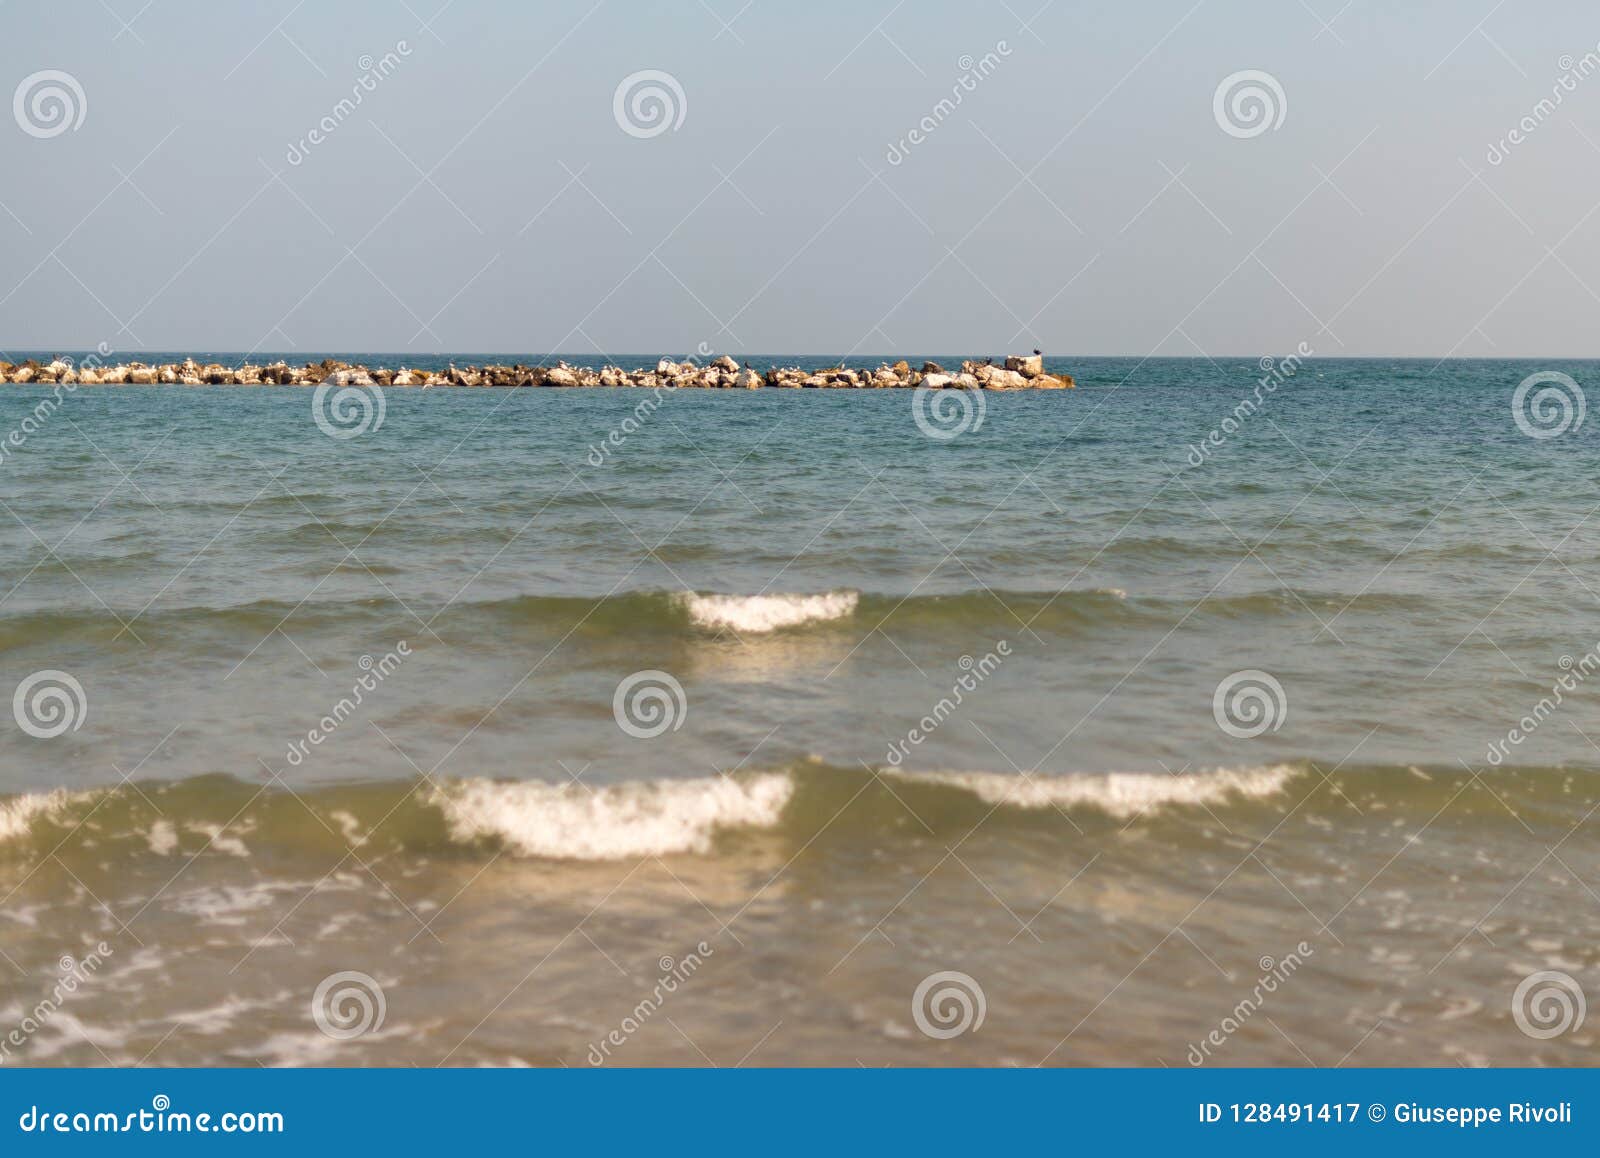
x: 1113, y: 701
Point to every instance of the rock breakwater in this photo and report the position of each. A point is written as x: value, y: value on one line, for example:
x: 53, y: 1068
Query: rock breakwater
x: 1024, y: 372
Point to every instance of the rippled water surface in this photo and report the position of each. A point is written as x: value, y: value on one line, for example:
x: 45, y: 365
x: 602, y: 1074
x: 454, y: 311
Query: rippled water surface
x: 1069, y: 704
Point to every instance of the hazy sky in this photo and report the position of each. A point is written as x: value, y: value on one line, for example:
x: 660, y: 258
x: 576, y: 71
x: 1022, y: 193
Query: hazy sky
x: 1083, y: 196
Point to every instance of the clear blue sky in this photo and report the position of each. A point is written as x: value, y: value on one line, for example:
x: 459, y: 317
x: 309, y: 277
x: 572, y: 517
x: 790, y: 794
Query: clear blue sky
x: 1082, y: 197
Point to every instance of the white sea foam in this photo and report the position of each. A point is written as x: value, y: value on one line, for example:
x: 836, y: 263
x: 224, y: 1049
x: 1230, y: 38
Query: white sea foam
x: 236, y: 904
x: 62, y: 1031
x: 217, y: 842
x: 227, y: 1013
x: 1120, y: 794
x: 759, y: 613
x: 635, y: 819
x: 18, y: 814
x: 163, y: 838
x: 297, y: 1049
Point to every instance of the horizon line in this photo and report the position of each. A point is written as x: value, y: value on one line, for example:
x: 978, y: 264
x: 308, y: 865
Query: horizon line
x: 891, y: 357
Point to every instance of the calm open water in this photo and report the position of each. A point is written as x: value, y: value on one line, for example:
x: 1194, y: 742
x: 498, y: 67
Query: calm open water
x: 1146, y: 742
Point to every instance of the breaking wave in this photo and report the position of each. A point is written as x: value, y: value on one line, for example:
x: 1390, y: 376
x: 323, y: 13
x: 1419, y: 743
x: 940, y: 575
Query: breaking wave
x: 759, y: 613
x: 1118, y: 794
x: 19, y: 814
x: 573, y: 822
x: 219, y: 816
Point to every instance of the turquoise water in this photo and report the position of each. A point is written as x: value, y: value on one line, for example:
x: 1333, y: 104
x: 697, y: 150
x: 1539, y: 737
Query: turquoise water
x: 1379, y: 537
x: 1376, y: 538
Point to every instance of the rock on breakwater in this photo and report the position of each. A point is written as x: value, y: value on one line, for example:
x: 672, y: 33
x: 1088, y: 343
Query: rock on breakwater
x: 724, y: 373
